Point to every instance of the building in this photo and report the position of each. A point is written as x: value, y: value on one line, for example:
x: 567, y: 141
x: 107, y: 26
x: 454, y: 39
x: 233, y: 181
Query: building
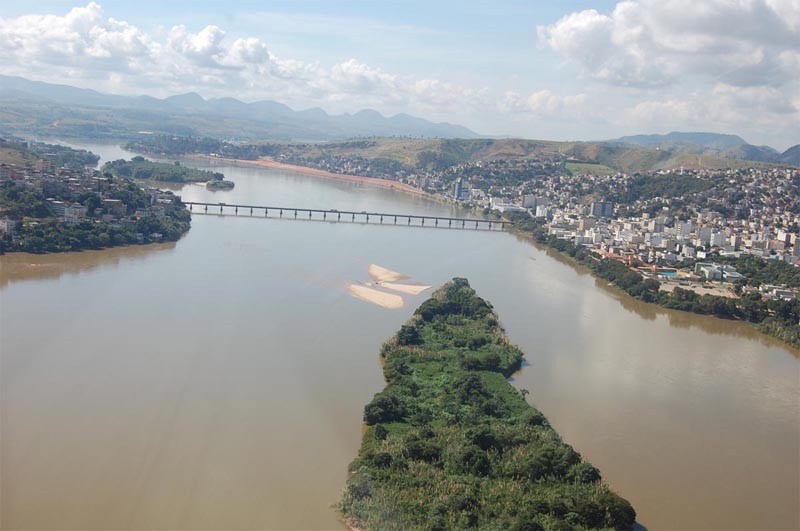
x: 602, y: 209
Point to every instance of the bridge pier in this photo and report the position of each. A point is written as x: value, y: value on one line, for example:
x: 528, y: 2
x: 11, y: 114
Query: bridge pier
x: 190, y: 207
x: 309, y: 214
x: 220, y: 209
x: 324, y: 215
x: 367, y: 218
x: 281, y: 212
x: 354, y: 217
x: 423, y: 221
x: 450, y: 223
x: 395, y: 220
x: 251, y: 211
x: 236, y: 210
x: 381, y: 218
x: 462, y: 224
x: 339, y: 217
x: 476, y: 224
x: 206, y: 208
x: 295, y: 214
x: 437, y: 222
x: 490, y: 224
x: 409, y: 220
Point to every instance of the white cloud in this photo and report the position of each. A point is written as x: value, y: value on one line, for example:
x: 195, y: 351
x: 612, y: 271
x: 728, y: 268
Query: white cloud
x: 652, y: 43
x: 83, y: 45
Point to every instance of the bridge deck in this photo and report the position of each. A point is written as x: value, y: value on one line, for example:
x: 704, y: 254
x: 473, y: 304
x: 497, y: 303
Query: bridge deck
x: 350, y: 213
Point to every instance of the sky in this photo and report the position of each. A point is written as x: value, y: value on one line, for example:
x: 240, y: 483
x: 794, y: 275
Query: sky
x: 559, y: 70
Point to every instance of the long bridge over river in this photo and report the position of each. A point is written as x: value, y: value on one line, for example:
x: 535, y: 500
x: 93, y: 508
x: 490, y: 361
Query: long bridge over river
x: 416, y: 220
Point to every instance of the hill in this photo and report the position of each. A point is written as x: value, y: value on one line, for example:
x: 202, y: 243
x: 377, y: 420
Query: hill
x: 709, y: 144
x: 33, y: 107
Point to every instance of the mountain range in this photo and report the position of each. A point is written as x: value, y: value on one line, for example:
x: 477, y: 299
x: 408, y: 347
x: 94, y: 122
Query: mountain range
x: 48, y: 109
x: 714, y: 144
x: 44, y: 109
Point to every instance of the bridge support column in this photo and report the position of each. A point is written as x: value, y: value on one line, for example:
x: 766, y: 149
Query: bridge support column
x: 251, y: 211
x: 206, y: 208
x: 409, y: 220
x: 490, y: 224
x: 190, y: 207
x: 381, y: 219
x: 437, y: 222
x: 354, y: 217
x: 236, y: 210
x: 395, y: 220
x: 476, y: 224
x: 423, y: 222
x: 367, y: 218
x: 450, y: 223
x: 462, y: 224
x: 281, y: 212
x: 295, y: 214
x: 220, y: 209
x: 309, y: 214
x: 339, y: 217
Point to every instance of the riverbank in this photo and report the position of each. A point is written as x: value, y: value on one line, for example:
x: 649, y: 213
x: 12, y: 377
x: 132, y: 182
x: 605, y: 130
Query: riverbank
x: 265, y: 162
x: 451, y: 444
x: 777, y: 319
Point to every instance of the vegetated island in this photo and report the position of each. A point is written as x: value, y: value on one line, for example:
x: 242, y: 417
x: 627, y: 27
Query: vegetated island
x: 51, y: 202
x: 215, y: 185
x: 141, y: 168
x: 451, y: 444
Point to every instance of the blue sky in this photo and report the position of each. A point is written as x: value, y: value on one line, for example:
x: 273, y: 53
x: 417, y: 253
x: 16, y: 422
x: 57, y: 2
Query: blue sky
x: 555, y: 70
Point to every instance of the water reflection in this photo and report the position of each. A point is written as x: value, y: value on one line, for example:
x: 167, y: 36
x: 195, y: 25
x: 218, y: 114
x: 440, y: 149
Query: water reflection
x: 16, y: 267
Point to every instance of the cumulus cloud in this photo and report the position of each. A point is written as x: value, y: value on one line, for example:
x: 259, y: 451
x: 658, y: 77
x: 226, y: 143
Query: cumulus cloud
x: 651, y: 43
x: 115, y: 55
x: 709, y: 64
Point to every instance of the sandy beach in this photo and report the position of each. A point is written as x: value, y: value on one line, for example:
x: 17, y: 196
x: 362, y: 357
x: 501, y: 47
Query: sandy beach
x: 265, y: 162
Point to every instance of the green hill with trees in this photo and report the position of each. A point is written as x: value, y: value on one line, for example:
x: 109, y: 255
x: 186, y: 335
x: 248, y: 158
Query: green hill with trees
x: 451, y: 444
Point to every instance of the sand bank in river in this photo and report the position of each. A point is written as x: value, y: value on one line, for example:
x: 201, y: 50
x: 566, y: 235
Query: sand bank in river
x: 269, y: 163
x: 381, y: 274
x: 381, y: 298
x: 411, y: 289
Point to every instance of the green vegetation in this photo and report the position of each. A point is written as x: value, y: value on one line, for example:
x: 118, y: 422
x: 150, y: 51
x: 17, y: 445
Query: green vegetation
x: 450, y: 444
x: 777, y: 318
x: 141, y: 168
x: 219, y: 185
x: 39, y: 232
x: 585, y: 168
x: 643, y: 187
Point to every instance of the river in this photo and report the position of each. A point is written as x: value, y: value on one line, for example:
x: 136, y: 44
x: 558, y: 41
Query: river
x: 218, y: 382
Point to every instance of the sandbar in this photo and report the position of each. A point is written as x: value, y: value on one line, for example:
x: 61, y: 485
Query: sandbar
x: 411, y: 289
x: 381, y: 298
x: 381, y: 274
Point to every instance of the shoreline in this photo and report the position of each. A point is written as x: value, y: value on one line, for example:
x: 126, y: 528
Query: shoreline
x: 265, y: 162
x: 576, y: 264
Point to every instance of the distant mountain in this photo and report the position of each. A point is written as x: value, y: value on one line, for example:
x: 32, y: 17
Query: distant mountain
x: 791, y: 156
x: 35, y: 107
x: 706, y: 140
x: 713, y: 144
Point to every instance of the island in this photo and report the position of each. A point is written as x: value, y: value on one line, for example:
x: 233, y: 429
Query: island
x: 51, y: 202
x: 451, y: 444
x: 141, y: 168
x: 215, y: 184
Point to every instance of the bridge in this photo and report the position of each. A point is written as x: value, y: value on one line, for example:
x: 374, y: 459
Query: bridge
x: 348, y: 216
